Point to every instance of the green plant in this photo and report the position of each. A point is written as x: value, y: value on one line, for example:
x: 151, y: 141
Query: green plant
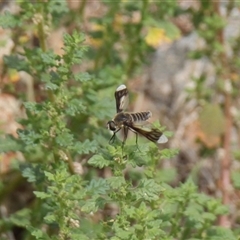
x: 65, y: 150
x: 218, y: 101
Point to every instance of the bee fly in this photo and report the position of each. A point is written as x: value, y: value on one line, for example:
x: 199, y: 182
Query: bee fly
x: 135, y: 122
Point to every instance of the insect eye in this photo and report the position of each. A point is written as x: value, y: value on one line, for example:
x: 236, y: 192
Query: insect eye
x: 111, y: 125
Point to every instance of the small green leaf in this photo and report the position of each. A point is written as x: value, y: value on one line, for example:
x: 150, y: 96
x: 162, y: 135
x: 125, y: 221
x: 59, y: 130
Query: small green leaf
x: 74, y: 107
x: 82, y: 77
x: 123, y: 233
x: 98, y: 186
x: 64, y: 139
x: 29, y: 174
x: 8, y: 20
x: 220, y: 233
x: 148, y: 190
x: 89, y: 206
x: 63, y: 70
x: 49, y: 176
x: 116, y: 182
x: 16, y: 62
x: 37, y: 233
x: 29, y: 137
x: 51, y: 86
x: 169, y: 153
x: 50, y: 218
x: 210, y: 217
x: 58, y: 7
x: 194, y: 213
x: 31, y: 106
x: 8, y: 143
x: 99, y: 161
x: 41, y: 195
x: 85, y: 147
x: 49, y: 58
x: 21, y: 218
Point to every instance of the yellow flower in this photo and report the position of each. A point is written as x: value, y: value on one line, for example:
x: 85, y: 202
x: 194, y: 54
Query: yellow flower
x: 156, y: 36
x: 23, y: 39
x: 96, y: 42
x: 97, y: 27
x: 118, y: 22
x: 13, y: 75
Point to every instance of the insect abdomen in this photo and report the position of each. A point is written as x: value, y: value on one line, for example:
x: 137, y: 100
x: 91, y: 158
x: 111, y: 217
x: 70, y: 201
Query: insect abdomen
x: 140, y: 116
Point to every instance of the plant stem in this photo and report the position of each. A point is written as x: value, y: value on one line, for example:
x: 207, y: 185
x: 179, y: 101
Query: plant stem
x: 70, y: 163
x: 41, y: 36
x: 134, y: 44
x: 42, y: 42
x: 81, y: 8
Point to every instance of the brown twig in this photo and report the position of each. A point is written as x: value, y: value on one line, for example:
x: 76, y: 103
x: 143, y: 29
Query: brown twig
x: 225, y: 177
x: 226, y: 161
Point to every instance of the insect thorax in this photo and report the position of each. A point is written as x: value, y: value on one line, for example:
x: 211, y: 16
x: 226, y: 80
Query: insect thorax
x: 121, y: 118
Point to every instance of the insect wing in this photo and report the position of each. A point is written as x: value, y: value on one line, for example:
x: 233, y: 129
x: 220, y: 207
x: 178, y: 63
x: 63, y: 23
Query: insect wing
x: 123, y: 134
x: 147, y: 130
x: 122, y: 98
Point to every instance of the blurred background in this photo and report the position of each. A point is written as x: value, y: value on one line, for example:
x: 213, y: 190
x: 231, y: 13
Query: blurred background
x: 179, y: 59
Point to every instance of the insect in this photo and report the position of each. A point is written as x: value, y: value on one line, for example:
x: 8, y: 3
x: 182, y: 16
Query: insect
x: 135, y: 122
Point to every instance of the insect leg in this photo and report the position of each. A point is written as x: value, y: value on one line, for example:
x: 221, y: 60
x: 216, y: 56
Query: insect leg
x: 111, y: 141
x: 125, y: 134
x: 137, y: 141
x: 113, y: 136
x: 136, y: 138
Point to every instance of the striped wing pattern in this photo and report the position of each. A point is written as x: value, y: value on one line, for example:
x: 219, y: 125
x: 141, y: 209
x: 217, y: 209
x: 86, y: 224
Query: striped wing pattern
x: 153, y: 134
x: 122, y: 98
x: 147, y: 130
